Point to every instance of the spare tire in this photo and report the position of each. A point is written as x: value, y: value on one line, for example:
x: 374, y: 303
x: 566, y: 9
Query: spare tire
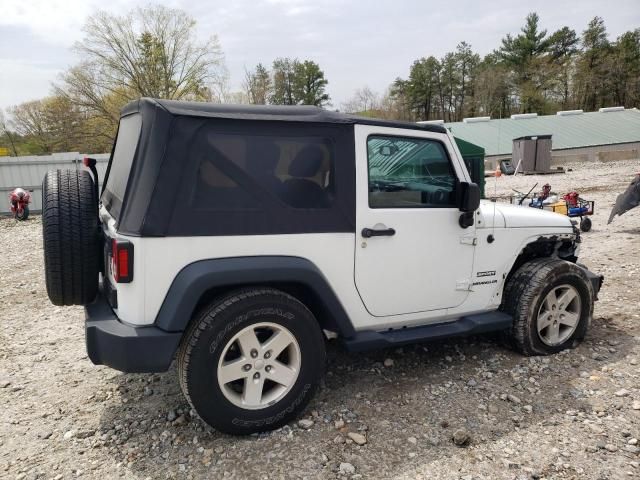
x: 70, y: 237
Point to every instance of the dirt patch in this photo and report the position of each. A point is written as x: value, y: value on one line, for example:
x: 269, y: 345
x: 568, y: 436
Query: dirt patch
x: 574, y: 415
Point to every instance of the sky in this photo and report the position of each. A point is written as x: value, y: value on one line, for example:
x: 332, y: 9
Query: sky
x: 356, y: 43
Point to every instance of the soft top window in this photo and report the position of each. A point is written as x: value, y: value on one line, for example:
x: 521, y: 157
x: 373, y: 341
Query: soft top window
x: 121, y: 161
x: 255, y: 178
x: 295, y: 170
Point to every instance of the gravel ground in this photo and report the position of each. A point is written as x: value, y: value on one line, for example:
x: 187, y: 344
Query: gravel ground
x: 460, y: 409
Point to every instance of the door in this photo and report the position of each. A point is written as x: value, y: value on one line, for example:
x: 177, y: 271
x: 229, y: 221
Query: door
x: 411, y: 255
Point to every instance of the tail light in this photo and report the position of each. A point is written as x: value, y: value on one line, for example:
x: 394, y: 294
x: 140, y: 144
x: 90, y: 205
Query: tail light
x: 122, y: 260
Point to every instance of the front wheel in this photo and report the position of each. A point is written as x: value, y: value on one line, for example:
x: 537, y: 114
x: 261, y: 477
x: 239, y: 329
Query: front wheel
x: 585, y: 224
x: 251, y: 361
x: 551, y: 301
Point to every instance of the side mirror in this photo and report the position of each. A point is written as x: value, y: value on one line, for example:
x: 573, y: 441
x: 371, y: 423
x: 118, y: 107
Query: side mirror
x: 468, y: 197
x: 468, y: 202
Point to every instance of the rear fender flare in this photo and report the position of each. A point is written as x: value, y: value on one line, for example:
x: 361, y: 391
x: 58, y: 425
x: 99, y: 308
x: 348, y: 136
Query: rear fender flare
x: 196, y: 279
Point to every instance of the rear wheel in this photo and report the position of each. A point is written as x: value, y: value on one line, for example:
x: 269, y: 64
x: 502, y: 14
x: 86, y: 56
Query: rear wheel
x: 251, y: 361
x: 551, y: 301
x: 70, y: 237
x: 585, y: 224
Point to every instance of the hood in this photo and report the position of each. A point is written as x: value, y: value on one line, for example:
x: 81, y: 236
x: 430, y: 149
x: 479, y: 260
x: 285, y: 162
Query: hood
x: 515, y: 216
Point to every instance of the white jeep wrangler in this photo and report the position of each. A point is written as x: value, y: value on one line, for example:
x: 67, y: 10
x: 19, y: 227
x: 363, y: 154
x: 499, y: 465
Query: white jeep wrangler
x: 237, y: 238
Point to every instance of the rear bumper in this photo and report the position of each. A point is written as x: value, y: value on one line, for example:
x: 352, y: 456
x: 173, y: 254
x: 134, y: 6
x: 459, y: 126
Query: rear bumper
x: 123, y: 347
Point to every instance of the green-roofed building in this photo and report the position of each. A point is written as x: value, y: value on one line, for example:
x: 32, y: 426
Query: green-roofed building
x: 609, y: 134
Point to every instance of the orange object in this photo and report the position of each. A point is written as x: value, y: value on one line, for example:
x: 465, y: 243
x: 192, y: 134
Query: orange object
x: 497, y: 173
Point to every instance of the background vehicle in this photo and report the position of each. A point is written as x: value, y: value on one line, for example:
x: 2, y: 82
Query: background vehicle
x: 627, y: 200
x: 19, y: 200
x: 236, y: 236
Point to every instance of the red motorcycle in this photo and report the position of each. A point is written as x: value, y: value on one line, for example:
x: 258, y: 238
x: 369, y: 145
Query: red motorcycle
x: 20, y: 199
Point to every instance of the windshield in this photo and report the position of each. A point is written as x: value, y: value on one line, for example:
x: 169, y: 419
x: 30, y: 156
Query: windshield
x: 120, y: 164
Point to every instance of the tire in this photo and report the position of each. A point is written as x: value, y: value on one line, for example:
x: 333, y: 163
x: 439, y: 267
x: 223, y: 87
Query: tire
x: 70, y: 237
x: 209, y: 344
x: 25, y: 214
x: 534, y: 297
x: 585, y: 224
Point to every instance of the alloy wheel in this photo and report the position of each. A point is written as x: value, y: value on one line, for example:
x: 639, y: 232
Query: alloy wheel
x: 559, y: 315
x: 259, y: 365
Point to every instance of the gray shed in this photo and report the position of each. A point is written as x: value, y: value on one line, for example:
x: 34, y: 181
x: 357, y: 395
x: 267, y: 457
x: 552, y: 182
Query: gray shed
x: 532, y: 153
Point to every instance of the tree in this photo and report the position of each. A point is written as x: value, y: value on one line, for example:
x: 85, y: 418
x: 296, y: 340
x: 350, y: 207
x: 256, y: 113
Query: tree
x: 7, y: 135
x: 423, y: 88
x: 396, y: 101
x: 48, y: 123
x: 592, y: 74
x: 492, y: 88
x: 309, y: 85
x: 466, y: 63
x: 364, y: 100
x: 563, y: 48
x: 524, y: 55
x: 439, y: 89
x: 258, y: 85
x: 154, y: 52
x: 298, y: 83
x: 283, y: 81
x: 54, y: 124
x: 448, y: 86
x: 531, y: 43
x: 220, y: 92
x: 624, y: 69
x: 150, y: 52
x: 594, y: 39
x: 28, y: 120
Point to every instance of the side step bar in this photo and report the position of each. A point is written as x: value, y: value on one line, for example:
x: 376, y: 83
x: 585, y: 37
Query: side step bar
x: 468, y: 325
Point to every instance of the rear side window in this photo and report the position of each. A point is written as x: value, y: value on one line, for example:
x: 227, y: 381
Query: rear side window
x: 122, y: 159
x: 235, y: 168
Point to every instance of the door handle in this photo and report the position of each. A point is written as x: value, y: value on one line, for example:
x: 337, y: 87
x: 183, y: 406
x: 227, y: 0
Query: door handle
x: 384, y: 232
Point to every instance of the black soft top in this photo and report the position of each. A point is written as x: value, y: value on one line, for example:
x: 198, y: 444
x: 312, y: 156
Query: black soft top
x: 161, y: 196
x: 285, y: 113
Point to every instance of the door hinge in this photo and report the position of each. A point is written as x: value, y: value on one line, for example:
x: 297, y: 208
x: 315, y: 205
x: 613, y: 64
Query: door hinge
x: 464, y: 285
x: 468, y: 240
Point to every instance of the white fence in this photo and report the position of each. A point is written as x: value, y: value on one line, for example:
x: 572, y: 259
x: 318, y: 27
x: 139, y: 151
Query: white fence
x: 28, y: 172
